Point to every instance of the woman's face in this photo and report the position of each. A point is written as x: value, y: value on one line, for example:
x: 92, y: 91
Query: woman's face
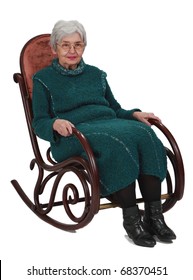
x: 70, y: 51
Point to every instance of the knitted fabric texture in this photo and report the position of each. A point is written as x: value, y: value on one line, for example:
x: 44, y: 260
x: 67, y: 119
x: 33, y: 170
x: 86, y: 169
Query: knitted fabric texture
x: 123, y: 147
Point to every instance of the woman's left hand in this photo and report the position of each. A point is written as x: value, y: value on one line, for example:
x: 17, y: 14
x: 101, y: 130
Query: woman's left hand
x: 144, y: 117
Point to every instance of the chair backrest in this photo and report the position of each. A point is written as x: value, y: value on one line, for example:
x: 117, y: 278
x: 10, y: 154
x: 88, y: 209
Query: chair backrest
x: 35, y: 55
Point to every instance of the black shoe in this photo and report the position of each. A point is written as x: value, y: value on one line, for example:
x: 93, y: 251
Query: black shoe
x: 135, y: 228
x: 155, y: 223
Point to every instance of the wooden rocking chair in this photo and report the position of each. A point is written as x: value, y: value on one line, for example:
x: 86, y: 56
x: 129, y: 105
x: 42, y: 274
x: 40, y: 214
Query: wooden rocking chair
x: 35, y: 55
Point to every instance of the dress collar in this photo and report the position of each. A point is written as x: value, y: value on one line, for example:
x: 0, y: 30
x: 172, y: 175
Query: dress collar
x: 68, y: 72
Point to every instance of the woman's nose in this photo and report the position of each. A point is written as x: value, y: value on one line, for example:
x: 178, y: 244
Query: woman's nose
x: 72, y: 49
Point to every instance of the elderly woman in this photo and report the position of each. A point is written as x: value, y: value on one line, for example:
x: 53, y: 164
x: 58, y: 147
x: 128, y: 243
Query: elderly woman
x: 70, y: 93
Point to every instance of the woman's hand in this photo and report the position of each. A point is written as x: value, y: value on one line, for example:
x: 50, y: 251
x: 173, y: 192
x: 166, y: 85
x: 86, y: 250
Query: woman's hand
x: 63, y: 127
x: 144, y: 117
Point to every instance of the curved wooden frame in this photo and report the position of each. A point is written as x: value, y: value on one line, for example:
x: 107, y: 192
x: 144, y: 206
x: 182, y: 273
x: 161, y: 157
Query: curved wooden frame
x: 85, y: 170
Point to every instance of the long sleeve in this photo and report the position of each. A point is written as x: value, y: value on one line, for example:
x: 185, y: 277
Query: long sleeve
x: 120, y: 112
x: 43, y: 117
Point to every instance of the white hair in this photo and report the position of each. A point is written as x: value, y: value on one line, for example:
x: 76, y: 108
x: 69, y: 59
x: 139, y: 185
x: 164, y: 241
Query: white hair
x: 64, y: 28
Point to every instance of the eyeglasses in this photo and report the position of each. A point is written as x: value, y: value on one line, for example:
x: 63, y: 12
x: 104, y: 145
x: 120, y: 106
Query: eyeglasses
x: 67, y: 46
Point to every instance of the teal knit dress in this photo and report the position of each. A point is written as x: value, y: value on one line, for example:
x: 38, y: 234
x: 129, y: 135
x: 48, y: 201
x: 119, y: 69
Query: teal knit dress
x: 123, y: 147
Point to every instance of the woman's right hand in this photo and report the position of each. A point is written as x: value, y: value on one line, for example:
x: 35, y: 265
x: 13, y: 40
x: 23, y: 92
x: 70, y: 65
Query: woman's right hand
x: 63, y: 127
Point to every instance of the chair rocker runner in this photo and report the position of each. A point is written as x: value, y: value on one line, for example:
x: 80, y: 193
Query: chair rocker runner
x: 35, y: 55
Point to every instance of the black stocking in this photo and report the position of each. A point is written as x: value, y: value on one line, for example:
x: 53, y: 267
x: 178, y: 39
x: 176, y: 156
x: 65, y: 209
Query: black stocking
x: 150, y: 187
x: 126, y: 197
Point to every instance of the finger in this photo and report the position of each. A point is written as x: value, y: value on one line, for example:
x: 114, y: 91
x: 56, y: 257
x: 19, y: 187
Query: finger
x: 69, y: 128
x: 72, y: 124
x: 152, y: 116
x: 64, y: 132
x: 156, y: 118
x: 146, y: 122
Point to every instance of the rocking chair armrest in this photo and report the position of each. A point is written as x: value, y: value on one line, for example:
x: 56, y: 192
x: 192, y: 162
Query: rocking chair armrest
x: 177, y: 154
x: 72, y: 163
x: 84, y: 142
x: 168, y: 135
x: 88, y: 150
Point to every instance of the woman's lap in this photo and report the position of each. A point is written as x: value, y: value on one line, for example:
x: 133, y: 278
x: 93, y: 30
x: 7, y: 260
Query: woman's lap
x: 122, y: 149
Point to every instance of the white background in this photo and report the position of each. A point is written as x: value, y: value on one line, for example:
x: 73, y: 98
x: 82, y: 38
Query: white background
x: 146, y: 48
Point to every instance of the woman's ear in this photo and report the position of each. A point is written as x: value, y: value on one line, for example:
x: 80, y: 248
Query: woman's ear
x: 53, y: 51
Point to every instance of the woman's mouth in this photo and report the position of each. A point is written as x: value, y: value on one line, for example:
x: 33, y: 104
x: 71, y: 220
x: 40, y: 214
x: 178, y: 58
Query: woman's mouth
x: 72, y: 57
